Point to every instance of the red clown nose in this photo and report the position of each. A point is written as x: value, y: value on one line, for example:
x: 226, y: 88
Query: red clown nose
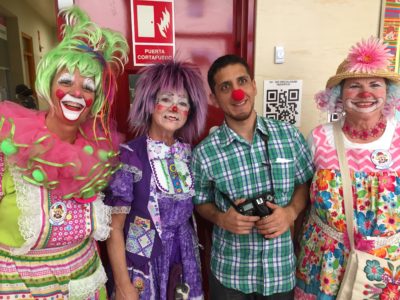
x: 174, y: 108
x: 238, y: 95
x: 364, y: 95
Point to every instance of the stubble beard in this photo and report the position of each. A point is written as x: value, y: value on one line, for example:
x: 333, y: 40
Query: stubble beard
x: 241, y: 117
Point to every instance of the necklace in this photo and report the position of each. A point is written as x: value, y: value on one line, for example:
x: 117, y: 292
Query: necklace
x: 365, y: 134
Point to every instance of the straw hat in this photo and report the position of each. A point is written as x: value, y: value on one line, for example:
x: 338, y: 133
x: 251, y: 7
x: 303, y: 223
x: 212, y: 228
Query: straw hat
x: 370, y: 58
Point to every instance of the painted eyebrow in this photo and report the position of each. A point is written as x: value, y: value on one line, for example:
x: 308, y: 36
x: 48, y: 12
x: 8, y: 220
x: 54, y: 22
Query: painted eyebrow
x: 89, y: 82
x: 65, y: 76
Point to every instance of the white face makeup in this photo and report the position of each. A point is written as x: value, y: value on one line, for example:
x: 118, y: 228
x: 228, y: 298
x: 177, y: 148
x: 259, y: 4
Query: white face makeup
x: 168, y: 99
x: 171, y: 111
x: 74, y: 93
x: 72, y: 107
x: 364, y: 106
x: 364, y: 95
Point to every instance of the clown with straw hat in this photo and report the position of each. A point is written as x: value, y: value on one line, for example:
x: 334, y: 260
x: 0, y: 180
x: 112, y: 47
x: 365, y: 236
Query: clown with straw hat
x: 365, y: 94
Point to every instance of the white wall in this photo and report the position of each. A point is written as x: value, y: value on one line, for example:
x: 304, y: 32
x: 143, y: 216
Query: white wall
x: 27, y: 20
x: 317, y: 35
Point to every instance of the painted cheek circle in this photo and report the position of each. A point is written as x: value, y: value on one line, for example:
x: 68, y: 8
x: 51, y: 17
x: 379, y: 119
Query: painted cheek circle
x: 160, y: 107
x: 238, y: 95
x: 60, y: 94
x: 89, y: 102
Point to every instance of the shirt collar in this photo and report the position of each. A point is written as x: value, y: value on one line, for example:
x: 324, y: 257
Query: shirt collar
x: 227, y: 135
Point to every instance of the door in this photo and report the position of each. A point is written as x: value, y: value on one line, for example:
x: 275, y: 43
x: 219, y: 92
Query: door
x: 29, y: 61
x: 204, y: 30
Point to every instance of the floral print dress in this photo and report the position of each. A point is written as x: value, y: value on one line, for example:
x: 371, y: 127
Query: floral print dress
x: 376, y: 193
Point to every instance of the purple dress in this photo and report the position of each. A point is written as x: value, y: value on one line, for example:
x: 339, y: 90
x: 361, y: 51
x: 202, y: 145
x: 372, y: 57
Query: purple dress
x: 155, y: 188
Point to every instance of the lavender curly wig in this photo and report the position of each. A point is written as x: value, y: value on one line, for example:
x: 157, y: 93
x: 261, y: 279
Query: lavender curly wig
x: 170, y: 75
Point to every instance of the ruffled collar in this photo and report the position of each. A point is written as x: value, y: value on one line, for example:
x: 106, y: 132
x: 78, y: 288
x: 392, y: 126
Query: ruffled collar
x: 159, y: 150
x: 76, y: 170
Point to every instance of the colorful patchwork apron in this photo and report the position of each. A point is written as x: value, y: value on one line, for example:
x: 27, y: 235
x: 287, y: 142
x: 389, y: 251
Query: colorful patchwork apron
x: 59, y: 259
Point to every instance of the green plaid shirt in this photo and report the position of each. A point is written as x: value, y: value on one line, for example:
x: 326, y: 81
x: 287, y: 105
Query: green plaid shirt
x: 225, y: 162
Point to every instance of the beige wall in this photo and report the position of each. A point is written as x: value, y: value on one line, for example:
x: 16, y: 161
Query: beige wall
x: 317, y: 35
x: 30, y: 22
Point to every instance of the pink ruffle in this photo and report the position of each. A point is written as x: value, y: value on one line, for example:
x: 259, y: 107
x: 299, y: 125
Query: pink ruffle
x: 361, y: 243
x: 30, y: 128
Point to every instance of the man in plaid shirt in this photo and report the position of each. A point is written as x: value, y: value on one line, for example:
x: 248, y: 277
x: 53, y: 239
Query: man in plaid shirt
x: 252, y: 257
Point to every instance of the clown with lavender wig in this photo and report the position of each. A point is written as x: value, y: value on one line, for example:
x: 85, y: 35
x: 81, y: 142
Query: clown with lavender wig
x: 54, y: 165
x: 153, y: 245
x: 365, y: 93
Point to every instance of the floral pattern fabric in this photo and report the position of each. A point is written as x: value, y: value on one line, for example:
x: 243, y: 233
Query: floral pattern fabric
x: 376, y: 193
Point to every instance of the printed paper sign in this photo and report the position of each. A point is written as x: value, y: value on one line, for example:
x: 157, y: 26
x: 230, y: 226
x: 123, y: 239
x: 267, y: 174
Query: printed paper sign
x: 282, y: 100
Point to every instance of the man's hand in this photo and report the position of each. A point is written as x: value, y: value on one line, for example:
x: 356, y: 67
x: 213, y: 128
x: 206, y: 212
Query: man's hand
x: 278, y: 222
x: 234, y: 222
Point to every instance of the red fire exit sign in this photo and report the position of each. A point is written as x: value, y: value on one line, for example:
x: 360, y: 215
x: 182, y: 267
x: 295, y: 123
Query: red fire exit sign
x: 153, y: 31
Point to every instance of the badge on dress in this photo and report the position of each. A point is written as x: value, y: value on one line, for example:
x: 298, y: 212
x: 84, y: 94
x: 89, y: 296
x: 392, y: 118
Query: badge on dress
x: 58, y: 212
x: 381, y: 159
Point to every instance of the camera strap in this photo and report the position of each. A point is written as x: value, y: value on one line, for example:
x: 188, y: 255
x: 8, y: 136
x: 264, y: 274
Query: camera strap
x: 264, y: 137
x: 227, y: 198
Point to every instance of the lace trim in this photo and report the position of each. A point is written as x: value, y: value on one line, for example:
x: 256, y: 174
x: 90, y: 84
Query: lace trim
x: 153, y: 207
x: 102, y: 213
x: 2, y: 170
x: 380, y: 241
x: 179, y: 197
x: 120, y: 210
x: 30, y: 219
x: 336, y: 235
x: 135, y: 171
x: 86, y: 288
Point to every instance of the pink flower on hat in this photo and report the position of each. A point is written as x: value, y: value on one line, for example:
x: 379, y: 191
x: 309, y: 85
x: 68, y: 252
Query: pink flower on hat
x: 368, y: 56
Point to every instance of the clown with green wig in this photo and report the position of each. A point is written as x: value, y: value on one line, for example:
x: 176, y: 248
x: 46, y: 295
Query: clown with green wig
x: 54, y: 165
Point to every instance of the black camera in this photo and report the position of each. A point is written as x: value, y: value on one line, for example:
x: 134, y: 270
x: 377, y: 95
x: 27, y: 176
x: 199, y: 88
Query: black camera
x: 256, y: 206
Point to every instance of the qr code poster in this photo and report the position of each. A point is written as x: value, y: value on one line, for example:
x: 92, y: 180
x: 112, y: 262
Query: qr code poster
x: 282, y: 100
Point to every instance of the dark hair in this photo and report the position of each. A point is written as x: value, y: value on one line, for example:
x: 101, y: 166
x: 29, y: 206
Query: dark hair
x: 22, y: 89
x: 222, y: 62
